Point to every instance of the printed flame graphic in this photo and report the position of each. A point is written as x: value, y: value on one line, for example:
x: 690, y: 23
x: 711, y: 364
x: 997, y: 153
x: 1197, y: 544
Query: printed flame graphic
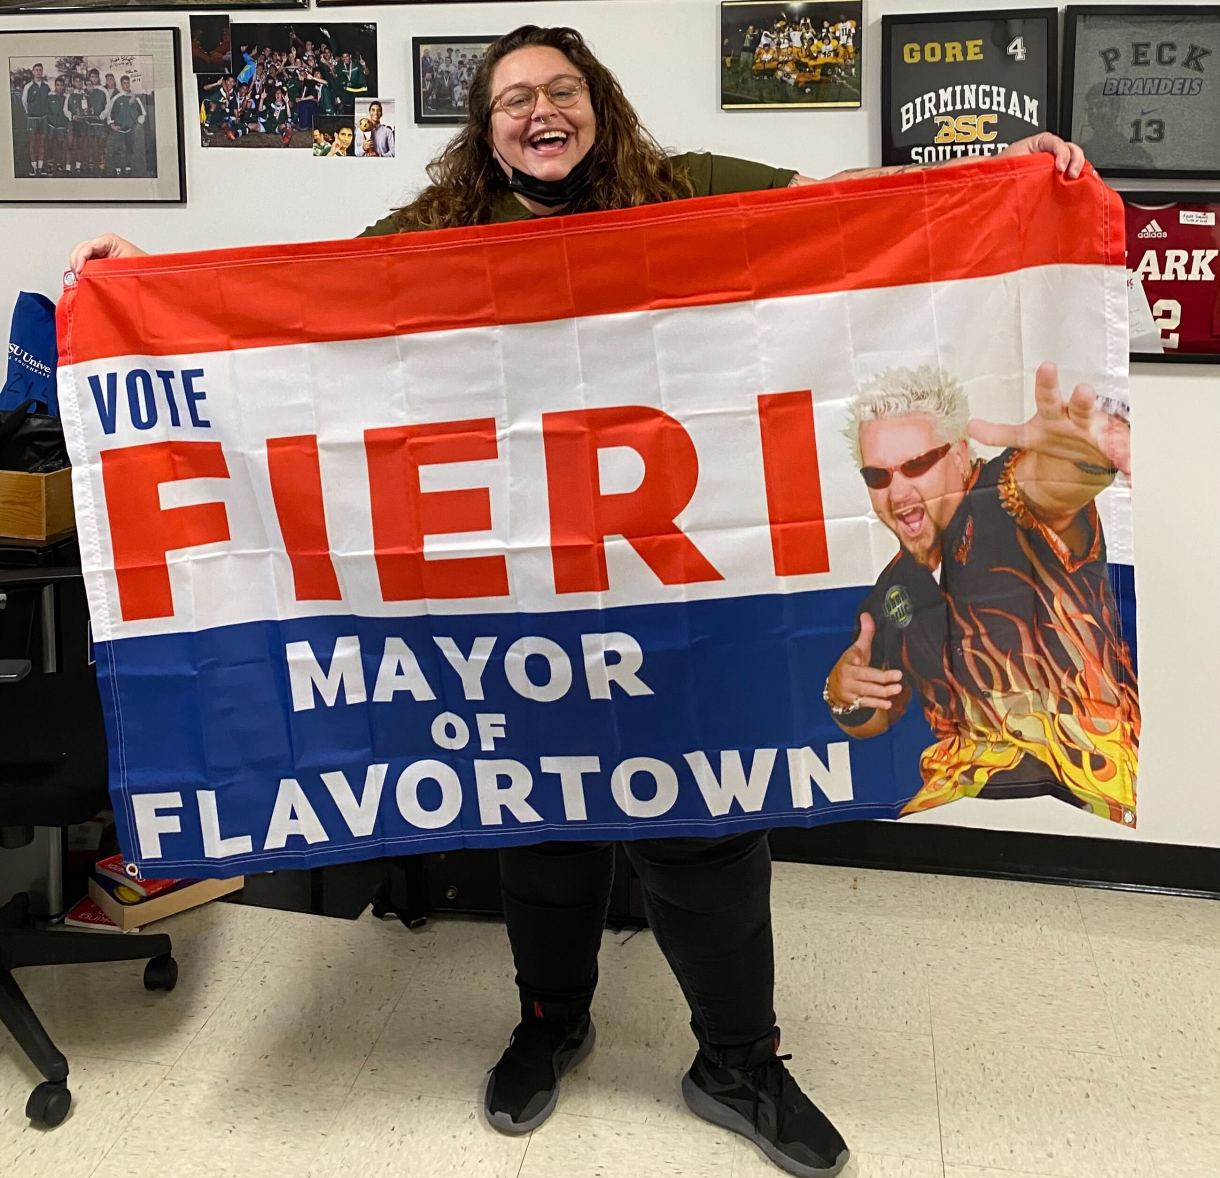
x: 1066, y: 696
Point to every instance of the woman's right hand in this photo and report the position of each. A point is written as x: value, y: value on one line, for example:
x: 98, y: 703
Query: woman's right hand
x: 109, y: 245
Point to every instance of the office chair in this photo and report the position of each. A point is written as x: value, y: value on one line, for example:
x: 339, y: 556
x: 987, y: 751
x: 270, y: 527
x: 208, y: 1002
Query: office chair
x: 53, y: 772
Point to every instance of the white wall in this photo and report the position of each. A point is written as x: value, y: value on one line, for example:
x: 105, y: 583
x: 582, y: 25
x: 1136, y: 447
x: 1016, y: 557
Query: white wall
x: 665, y: 52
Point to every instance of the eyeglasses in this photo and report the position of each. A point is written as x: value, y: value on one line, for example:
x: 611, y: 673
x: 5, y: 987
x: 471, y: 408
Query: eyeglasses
x: 518, y: 102
x: 880, y: 477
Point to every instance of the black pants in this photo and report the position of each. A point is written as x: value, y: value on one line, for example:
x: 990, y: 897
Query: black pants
x: 122, y: 152
x: 708, y: 902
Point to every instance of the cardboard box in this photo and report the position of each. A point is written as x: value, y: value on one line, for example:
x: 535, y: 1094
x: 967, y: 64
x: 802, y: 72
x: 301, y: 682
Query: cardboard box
x: 36, y: 506
x: 135, y: 915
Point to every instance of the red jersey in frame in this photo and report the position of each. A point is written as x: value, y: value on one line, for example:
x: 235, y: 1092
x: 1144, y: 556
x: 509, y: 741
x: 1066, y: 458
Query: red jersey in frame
x: 1173, y: 253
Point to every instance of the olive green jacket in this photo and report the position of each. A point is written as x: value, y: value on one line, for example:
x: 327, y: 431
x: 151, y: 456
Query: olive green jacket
x: 711, y: 175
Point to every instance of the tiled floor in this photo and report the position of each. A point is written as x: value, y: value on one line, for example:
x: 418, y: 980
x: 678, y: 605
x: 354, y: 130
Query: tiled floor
x: 952, y: 1028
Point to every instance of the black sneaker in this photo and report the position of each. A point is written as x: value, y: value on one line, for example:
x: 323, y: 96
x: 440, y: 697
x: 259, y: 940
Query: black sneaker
x: 523, y: 1088
x: 748, y: 1090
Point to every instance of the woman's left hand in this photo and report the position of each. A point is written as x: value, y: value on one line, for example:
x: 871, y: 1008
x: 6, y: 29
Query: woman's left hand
x: 1069, y: 157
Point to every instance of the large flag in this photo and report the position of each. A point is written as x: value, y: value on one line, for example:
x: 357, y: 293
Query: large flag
x: 762, y: 510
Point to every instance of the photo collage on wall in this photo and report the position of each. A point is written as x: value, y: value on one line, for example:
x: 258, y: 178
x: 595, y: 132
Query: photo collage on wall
x: 290, y: 85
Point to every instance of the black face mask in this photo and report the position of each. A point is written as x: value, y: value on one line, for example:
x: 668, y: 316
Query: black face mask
x: 552, y: 193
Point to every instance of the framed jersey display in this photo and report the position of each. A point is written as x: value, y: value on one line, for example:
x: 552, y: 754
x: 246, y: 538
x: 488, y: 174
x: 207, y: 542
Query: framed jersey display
x: 95, y: 115
x: 1141, y: 88
x: 966, y: 83
x: 790, y: 55
x: 1173, y: 275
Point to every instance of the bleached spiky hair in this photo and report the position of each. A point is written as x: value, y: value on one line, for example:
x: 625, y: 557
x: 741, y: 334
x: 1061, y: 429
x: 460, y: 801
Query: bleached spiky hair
x: 895, y: 392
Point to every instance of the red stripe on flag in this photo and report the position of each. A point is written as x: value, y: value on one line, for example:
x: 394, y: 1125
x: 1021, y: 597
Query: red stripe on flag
x: 794, y: 483
x: 972, y: 221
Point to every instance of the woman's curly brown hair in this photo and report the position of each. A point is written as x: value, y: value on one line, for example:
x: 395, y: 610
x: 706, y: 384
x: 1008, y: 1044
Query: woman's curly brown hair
x: 629, y: 167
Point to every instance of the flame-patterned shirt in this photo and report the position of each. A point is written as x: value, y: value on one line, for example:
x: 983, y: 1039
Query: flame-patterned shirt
x: 1017, y: 656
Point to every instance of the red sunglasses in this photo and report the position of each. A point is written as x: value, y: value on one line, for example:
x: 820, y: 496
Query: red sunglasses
x: 880, y: 477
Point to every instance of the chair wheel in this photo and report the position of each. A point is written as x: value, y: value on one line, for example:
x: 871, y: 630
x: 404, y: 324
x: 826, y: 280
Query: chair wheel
x: 161, y: 973
x: 49, y: 1103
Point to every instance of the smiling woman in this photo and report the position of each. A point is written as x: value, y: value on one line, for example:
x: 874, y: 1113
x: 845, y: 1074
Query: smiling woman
x: 548, y: 158
x: 534, y: 155
x: 550, y: 131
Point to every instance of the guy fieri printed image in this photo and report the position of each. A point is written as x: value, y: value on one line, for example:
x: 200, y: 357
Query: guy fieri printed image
x: 996, y: 615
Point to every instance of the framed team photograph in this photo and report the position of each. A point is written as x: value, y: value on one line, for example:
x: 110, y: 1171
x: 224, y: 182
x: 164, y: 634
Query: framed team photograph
x: 94, y: 115
x: 1173, y: 275
x: 285, y: 76
x: 790, y: 55
x: 1140, y: 91
x: 7, y: 6
x: 375, y: 124
x: 441, y: 70
x: 966, y: 83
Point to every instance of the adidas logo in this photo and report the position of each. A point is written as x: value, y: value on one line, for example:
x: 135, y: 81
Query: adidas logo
x: 1152, y: 229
